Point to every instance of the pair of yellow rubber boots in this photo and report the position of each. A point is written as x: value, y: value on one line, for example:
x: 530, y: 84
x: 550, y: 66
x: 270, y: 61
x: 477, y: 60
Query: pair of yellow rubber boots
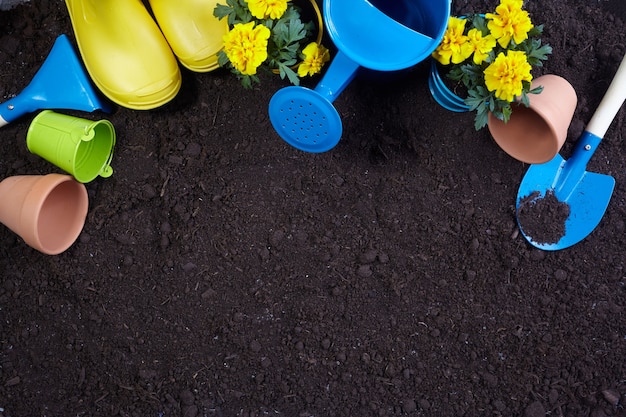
x: 132, y: 59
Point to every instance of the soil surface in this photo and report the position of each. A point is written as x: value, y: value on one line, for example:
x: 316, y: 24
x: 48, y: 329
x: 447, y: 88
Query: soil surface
x: 221, y: 272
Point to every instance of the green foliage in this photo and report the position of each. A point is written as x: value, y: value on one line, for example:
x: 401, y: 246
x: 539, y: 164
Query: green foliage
x: 289, y: 35
x: 236, y: 11
x: 478, y: 98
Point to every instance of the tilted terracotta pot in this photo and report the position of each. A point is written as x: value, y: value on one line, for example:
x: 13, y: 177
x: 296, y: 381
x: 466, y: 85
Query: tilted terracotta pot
x: 536, y: 134
x: 47, y: 211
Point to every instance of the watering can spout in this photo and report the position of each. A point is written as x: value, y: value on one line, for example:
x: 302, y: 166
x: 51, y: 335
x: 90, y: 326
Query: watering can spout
x: 60, y: 83
x: 331, y: 86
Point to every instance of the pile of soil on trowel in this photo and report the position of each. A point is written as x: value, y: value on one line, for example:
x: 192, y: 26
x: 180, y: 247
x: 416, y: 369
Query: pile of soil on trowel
x: 542, y: 219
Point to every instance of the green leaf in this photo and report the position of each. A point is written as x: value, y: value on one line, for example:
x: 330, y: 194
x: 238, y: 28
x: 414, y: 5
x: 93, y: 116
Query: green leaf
x: 506, y: 113
x: 296, y: 30
x: 482, y: 91
x: 472, y: 75
x: 222, y: 59
x: 455, y: 73
x: 248, y: 81
x: 480, y: 23
x: 291, y: 12
x: 289, y: 61
x: 535, y: 52
x: 286, y: 71
x: 524, y: 99
x: 293, y: 77
x: 475, y: 101
x: 235, y: 10
x: 242, y: 14
x: 222, y: 11
x: 535, y: 31
x: 480, y: 120
x: 542, y: 52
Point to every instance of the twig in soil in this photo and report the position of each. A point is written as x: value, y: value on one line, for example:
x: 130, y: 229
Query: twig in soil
x: 589, y: 45
x: 204, y: 368
x: 217, y: 107
x: 102, y: 397
x: 167, y: 179
x: 382, y: 152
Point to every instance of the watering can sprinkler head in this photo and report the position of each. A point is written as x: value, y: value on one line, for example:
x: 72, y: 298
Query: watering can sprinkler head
x: 60, y: 83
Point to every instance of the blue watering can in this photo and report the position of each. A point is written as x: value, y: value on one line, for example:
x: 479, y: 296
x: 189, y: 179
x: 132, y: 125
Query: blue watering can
x: 379, y: 35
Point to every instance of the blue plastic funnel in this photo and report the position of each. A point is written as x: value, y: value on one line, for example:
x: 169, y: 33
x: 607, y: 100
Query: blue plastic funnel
x: 60, y: 83
x: 378, y: 35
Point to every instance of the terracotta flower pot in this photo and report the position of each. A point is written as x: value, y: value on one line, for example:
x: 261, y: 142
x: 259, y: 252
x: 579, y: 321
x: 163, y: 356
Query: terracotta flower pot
x: 535, y: 134
x: 47, y: 211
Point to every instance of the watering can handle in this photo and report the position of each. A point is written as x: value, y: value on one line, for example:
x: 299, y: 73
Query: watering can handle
x: 610, y: 104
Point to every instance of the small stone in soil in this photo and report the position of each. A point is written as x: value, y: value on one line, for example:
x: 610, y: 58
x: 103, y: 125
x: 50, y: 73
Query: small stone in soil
x: 543, y: 218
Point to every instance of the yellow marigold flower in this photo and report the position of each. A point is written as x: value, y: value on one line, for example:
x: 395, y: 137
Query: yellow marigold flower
x: 479, y: 45
x: 263, y: 9
x: 315, y: 56
x: 246, y: 46
x: 451, y: 47
x: 509, y: 22
x: 505, y: 74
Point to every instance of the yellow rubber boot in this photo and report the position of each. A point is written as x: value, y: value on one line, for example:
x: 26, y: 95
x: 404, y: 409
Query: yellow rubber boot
x: 195, y: 35
x: 124, y: 52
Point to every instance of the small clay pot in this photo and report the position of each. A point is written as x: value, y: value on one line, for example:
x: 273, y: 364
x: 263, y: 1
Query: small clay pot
x: 47, y: 211
x: 535, y: 134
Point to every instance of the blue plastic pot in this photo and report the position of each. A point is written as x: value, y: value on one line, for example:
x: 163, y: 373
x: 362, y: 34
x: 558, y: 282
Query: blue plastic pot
x: 440, y: 91
x: 442, y: 94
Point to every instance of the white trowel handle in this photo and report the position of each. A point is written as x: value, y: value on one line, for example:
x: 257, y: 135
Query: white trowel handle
x: 610, y: 104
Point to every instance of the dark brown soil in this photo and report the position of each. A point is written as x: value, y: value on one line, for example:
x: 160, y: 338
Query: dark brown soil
x: 542, y: 218
x: 222, y: 272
